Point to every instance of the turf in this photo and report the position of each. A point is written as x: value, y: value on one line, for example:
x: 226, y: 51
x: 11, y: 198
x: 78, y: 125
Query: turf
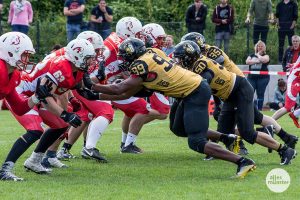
x: 167, y: 170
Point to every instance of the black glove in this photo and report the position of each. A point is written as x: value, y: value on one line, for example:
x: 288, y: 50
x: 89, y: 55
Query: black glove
x: 88, y: 83
x: 88, y: 94
x: 101, y: 71
x: 43, y: 91
x: 71, y: 118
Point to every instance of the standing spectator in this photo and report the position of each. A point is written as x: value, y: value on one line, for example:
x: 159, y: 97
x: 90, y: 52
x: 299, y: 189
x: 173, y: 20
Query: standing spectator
x: 261, y: 11
x: 259, y: 61
x: 169, y: 47
x: 287, y: 15
x: 1, y: 7
x: 279, y: 96
x: 101, y: 17
x: 195, y: 17
x: 223, y: 17
x: 73, y: 9
x: 20, y: 15
x: 292, y: 53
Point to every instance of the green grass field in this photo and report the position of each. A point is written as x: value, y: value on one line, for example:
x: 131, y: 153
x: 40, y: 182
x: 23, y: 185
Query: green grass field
x: 167, y: 170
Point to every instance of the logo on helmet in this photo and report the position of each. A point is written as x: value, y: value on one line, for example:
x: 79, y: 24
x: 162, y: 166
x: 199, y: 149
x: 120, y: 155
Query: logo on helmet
x: 78, y: 49
x: 188, y: 48
x: 129, y: 26
x: 149, y: 30
x: 129, y: 49
x: 90, y: 39
x: 15, y: 40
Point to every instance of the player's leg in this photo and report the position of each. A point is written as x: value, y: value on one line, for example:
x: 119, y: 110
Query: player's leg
x: 33, y: 124
x: 196, y: 104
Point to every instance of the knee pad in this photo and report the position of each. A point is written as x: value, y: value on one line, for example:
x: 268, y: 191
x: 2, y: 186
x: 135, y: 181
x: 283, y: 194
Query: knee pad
x: 31, y: 136
x: 249, y: 136
x: 197, y: 142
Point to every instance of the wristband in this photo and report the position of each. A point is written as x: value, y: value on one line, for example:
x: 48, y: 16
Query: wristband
x: 34, y: 99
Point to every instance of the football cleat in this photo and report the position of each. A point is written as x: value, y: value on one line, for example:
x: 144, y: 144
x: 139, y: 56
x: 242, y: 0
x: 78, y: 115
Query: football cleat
x: 295, y: 119
x: 131, y: 148
x: 244, y: 167
x: 243, y: 150
x: 6, y: 175
x: 33, y: 163
x: 64, y: 154
x: 287, y: 154
x: 233, y: 143
x: 121, y: 146
x: 93, y: 153
x: 291, y: 141
x: 207, y: 158
x: 53, y: 162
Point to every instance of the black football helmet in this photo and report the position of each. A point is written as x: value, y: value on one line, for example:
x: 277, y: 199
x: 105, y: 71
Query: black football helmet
x: 198, y: 38
x: 131, y: 49
x: 186, y: 53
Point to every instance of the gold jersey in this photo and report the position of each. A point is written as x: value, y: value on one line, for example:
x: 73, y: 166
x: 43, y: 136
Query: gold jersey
x: 162, y: 74
x: 220, y: 57
x: 222, y: 81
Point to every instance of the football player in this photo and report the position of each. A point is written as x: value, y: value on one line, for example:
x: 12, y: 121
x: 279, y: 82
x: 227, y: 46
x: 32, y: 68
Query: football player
x: 220, y: 57
x: 15, y: 49
x: 152, y: 69
x: 65, y: 72
x: 234, y: 91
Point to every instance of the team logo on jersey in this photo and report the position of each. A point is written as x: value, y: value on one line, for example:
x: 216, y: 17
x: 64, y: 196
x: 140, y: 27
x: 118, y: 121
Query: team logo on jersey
x: 189, y: 48
x: 15, y: 40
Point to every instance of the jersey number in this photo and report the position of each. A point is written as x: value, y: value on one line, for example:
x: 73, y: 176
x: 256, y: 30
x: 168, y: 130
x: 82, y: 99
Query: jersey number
x: 214, y: 53
x: 160, y: 61
x: 200, y: 67
x: 138, y: 68
x: 59, y: 76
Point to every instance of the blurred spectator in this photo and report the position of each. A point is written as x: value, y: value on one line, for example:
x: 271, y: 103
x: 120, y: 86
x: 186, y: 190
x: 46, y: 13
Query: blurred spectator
x: 259, y: 61
x: 1, y: 7
x: 169, y: 47
x: 292, y: 53
x: 279, y: 96
x: 261, y: 11
x: 223, y: 17
x: 195, y: 17
x: 287, y: 15
x: 73, y: 9
x: 101, y: 17
x: 20, y: 15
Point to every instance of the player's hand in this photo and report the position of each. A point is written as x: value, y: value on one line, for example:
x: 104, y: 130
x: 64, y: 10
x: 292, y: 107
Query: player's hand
x: 88, y: 94
x: 71, y: 118
x: 144, y: 93
x: 88, y: 83
x: 43, y: 91
x: 101, y: 71
x: 76, y: 104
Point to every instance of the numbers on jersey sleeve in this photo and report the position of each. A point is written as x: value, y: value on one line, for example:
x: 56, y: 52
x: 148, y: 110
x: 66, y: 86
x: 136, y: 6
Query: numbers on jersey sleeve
x: 161, y: 61
x: 139, y: 67
x: 59, y: 76
x: 214, y: 53
x: 200, y: 66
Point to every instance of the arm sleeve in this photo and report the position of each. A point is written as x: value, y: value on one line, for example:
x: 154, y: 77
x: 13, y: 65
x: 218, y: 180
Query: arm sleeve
x: 270, y: 7
x: 231, y: 17
x: 18, y: 103
x: 215, y: 18
x: 188, y: 18
x: 204, y: 14
x: 30, y: 12
x: 295, y: 11
x: 11, y: 12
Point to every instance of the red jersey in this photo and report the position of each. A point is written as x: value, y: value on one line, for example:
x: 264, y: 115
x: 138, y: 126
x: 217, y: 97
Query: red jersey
x: 58, y: 69
x: 112, y: 43
x: 8, y: 82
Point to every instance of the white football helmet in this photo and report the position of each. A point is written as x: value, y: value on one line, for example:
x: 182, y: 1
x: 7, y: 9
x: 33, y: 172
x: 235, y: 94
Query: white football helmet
x: 12, y: 46
x: 94, y: 38
x: 129, y: 27
x: 78, y: 51
x: 156, y: 33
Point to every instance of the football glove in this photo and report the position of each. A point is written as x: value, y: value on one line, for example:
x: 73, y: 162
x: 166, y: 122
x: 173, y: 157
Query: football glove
x: 43, y: 91
x: 101, y: 71
x: 88, y: 83
x: 88, y: 94
x: 71, y: 118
